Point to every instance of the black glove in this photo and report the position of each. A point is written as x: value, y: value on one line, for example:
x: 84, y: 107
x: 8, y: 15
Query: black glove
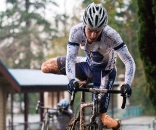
x: 126, y: 90
x: 70, y: 86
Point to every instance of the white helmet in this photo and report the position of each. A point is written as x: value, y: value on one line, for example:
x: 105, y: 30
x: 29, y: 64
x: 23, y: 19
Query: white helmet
x: 95, y: 16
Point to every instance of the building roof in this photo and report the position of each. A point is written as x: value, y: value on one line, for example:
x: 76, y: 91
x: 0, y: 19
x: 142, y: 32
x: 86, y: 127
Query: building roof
x: 7, y: 80
x: 36, y: 80
x: 27, y: 77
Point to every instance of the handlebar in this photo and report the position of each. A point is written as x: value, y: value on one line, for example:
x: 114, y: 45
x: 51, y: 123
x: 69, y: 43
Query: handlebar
x: 42, y: 107
x: 97, y: 91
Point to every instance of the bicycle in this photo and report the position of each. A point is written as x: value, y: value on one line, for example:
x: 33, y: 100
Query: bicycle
x: 95, y: 123
x: 47, y: 117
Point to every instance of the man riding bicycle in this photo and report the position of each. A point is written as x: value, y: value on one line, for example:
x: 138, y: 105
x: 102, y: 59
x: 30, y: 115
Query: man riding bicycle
x: 101, y: 44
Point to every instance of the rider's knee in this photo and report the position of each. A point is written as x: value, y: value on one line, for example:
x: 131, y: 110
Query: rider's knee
x: 44, y: 67
x: 50, y: 66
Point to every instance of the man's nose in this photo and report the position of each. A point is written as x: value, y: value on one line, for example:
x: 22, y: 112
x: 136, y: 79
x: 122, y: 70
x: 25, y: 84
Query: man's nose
x: 93, y: 34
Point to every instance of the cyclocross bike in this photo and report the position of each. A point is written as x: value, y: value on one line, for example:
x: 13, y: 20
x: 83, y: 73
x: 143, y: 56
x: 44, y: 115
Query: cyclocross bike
x: 47, y: 117
x: 95, y: 123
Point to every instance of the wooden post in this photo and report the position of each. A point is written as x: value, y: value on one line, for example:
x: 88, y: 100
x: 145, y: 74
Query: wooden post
x: 42, y: 101
x: 12, y: 117
x: 26, y: 111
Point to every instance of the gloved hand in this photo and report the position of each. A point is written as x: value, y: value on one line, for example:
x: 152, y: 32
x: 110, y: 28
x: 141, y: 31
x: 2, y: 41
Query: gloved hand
x: 70, y: 86
x: 126, y: 90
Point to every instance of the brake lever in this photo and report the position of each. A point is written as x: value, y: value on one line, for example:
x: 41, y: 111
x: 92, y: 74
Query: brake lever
x: 123, y: 102
x: 123, y: 89
x: 76, y: 86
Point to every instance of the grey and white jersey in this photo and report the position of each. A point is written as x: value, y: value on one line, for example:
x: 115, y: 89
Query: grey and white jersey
x: 101, y: 53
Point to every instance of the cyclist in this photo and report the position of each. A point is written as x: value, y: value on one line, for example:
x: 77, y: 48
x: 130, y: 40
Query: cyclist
x: 101, y: 44
x: 64, y: 114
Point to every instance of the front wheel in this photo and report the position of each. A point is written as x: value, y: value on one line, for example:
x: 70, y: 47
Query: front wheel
x: 45, y: 123
x: 100, y: 124
x: 95, y: 126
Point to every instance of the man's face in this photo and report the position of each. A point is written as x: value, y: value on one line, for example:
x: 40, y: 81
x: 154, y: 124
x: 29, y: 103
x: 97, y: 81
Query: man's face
x: 92, y: 35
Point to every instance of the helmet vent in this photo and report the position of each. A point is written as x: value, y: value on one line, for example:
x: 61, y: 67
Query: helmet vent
x: 100, y: 11
x: 101, y: 24
x: 90, y: 22
x: 96, y: 20
x: 97, y: 8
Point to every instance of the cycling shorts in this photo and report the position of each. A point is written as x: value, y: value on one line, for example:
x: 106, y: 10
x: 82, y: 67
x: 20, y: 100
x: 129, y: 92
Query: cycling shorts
x: 99, y: 78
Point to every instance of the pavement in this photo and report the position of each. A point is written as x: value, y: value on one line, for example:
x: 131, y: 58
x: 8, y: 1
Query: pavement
x: 133, y: 120
x: 139, y: 120
x: 135, y: 123
x: 139, y: 123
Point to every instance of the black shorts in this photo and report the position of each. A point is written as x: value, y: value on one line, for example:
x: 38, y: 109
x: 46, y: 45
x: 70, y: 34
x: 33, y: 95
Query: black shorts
x: 61, y: 61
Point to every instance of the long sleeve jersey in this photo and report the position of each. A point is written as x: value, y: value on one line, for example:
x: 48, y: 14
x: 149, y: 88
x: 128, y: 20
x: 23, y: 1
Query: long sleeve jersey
x: 103, y: 52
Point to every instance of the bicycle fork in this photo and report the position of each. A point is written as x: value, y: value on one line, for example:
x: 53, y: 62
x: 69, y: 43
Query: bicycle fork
x: 95, y: 109
x: 82, y: 106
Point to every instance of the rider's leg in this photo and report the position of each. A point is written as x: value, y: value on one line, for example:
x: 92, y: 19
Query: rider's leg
x: 107, y: 81
x: 50, y: 66
x: 57, y: 66
x: 108, y: 121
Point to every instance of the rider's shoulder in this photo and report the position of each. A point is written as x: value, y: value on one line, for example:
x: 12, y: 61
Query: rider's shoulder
x: 109, y: 30
x: 77, y: 27
x: 112, y: 34
x: 76, y: 33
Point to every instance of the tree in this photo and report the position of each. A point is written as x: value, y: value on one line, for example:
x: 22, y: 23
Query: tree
x: 147, y: 44
x: 25, y: 33
x: 63, y: 23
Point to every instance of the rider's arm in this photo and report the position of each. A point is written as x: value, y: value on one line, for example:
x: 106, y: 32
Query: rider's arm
x: 69, y: 112
x: 128, y: 60
x: 72, y: 51
x: 123, y: 53
x: 53, y: 112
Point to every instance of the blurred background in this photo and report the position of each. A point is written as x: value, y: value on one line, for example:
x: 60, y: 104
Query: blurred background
x: 32, y: 31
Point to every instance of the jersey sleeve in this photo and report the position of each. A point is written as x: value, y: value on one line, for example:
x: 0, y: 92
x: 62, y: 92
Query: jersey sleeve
x: 72, y: 52
x: 74, y: 35
x: 127, y: 59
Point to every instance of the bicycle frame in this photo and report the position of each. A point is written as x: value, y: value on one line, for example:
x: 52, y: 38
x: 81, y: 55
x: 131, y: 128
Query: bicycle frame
x: 83, y: 105
x: 94, y: 104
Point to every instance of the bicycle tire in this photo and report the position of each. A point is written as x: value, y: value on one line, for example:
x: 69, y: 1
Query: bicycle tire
x: 73, y: 124
x: 45, y: 123
x: 92, y: 127
x: 100, y: 124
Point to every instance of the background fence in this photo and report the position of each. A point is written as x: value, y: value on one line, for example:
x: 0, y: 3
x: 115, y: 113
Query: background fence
x: 129, y: 113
